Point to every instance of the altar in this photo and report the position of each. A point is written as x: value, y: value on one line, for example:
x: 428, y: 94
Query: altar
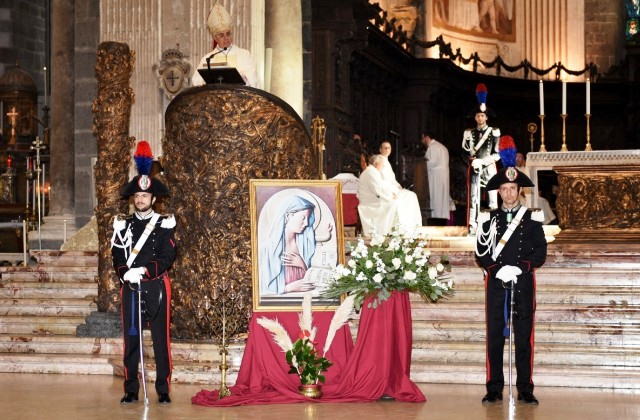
x: 598, y: 197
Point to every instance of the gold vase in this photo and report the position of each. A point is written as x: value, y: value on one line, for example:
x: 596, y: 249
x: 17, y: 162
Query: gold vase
x: 310, y: 391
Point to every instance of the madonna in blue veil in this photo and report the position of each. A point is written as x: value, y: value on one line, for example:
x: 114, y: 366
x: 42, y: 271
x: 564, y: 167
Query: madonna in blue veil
x: 285, y: 254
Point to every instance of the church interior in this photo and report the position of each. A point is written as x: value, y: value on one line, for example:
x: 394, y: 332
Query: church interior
x: 81, y: 82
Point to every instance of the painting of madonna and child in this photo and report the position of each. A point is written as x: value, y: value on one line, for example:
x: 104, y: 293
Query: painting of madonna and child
x: 296, y: 241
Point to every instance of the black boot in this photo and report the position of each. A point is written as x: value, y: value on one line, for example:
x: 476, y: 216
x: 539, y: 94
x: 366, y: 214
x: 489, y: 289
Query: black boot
x: 129, y: 397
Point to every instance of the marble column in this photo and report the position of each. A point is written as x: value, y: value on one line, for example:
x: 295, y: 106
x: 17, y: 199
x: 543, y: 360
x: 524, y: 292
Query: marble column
x: 283, y: 20
x: 61, y: 218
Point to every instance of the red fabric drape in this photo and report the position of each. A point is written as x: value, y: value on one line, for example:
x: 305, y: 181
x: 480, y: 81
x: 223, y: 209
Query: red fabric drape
x: 350, y: 209
x: 379, y: 364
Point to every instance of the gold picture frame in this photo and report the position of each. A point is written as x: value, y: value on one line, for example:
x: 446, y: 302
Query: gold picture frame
x: 304, y: 216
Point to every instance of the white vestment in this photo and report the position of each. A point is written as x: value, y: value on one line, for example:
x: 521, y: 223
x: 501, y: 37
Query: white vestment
x: 236, y: 57
x: 409, y: 214
x: 376, y: 207
x: 437, y: 157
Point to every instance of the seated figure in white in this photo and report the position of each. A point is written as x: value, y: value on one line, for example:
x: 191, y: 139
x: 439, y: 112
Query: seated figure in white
x: 377, y: 202
x: 409, y: 213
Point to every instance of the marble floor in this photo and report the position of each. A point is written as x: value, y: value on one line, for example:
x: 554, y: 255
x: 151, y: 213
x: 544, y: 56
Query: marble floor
x: 69, y: 397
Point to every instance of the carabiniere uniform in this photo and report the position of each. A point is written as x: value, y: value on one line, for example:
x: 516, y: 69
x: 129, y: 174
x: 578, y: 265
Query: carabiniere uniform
x: 526, y: 249
x: 156, y: 255
x: 143, y: 247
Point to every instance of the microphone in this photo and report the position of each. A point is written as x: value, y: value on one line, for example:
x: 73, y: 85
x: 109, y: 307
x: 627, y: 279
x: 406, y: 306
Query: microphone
x: 394, y: 133
x: 213, y: 55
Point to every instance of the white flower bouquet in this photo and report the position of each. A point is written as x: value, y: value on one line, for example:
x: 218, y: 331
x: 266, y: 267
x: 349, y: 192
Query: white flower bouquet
x: 398, y: 261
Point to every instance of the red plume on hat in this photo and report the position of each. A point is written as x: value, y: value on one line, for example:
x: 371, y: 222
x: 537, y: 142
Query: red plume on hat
x: 481, y: 95
x: 143, y: 182
x: 507, y: 151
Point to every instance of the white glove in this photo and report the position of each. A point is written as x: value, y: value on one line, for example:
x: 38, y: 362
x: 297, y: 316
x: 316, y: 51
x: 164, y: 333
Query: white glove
x: 509, y: 273
x: 477, y: 163
x: 134, y: 275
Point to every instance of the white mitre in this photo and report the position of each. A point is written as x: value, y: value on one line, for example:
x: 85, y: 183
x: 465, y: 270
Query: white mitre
x: 219, y: 19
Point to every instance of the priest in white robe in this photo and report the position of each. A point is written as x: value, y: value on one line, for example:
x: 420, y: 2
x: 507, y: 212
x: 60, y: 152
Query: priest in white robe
x: 225, y: 52
x: 409, y: 213
x: 437, y: 157
x: 377, y: 202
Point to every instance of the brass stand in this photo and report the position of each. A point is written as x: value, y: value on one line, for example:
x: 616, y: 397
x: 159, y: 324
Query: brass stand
x: 564, y: 133
x: 588, y: 148
x: 319, y: 133
x: 224, y: 390
x: 542, y: 148
x: 532, y: 128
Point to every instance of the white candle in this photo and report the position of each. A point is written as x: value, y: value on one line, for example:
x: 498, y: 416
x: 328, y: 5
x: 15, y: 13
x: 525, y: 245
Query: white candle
x: 24, y: 241
x: 44, y: 189
x: 564, y: 97
x: 588, y: 96
x: 541, y: 99
x: 45, y: 85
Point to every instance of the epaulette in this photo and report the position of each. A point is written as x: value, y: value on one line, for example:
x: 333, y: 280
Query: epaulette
x: 483, y: 216
x: 168, y: 222
x: 537, y: 215
x: 496, y: 132
x: 120, y: 222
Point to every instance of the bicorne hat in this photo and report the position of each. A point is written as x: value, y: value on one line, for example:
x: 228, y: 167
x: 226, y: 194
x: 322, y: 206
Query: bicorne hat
x: 508, y: 173
x: 143, y: 182
x: 481, y: 95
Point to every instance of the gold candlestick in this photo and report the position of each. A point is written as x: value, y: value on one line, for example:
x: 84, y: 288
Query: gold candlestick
x: 224, y: 391
x: 564, y: 133
x: 542, y: 148
x: 588, y: 148
x: 319, y: 136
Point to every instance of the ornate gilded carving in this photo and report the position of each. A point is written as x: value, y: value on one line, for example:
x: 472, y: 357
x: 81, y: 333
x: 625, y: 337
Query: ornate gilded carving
x: 595, y: 198
x: 218, y: 138
x: 111, y: 113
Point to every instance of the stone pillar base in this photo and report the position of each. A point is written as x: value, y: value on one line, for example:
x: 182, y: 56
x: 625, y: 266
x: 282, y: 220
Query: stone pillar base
x: 101, y: 324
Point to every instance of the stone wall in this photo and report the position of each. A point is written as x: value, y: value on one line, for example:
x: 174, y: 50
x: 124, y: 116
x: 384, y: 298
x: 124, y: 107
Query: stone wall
x: 604, y: 33
x: 87, y: 35
x: 24, y: 39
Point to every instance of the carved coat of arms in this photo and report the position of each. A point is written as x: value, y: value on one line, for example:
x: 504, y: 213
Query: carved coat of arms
x: 172, y: 72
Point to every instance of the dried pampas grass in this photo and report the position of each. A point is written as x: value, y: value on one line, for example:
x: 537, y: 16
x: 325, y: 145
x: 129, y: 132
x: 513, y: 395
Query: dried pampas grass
x: 280, y: 335
x: 340, y: 317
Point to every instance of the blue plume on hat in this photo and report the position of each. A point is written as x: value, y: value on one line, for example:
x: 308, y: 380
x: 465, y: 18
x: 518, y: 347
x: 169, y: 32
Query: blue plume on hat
x: 143, y: 157
x: 481, y: 93
x: 507, y: 151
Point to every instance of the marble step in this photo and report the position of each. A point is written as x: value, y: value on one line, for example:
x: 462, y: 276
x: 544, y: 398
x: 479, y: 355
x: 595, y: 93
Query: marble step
x: 52, y: 258
x: 465, y: 331
x: 556, y: 313
x: 33, y: 290
x: 545, y: 354
x: 46, y: 275
x: 47, y: 307
x: 10, y: 324
x: 185, y: 372
x: 561, y: 276
x: 545, y: 294
x: 70, y: 344
x: 558, y: 376
x: 58, y: 363
x: 58, y: 344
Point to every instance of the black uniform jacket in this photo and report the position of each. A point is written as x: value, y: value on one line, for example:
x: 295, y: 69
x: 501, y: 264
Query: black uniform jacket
x: 526, y: 249
x: 158, y: 252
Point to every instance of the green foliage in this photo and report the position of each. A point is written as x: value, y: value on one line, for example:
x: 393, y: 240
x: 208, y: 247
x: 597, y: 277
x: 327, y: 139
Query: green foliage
x: 305, y: 361
x: 398, y: 261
